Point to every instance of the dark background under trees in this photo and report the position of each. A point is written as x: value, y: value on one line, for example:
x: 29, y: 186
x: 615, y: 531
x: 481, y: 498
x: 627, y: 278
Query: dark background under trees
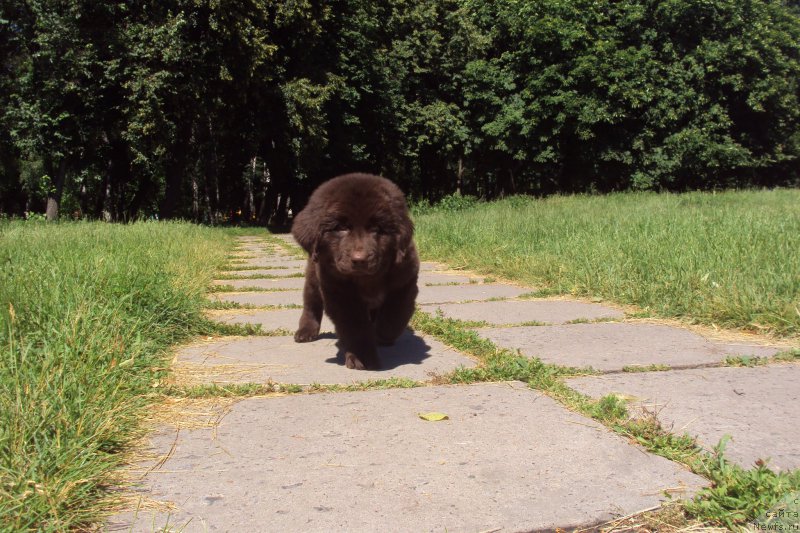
x: 234, y: 110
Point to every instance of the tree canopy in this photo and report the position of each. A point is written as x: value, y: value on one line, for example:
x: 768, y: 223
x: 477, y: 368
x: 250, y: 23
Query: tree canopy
x: 222, y: 110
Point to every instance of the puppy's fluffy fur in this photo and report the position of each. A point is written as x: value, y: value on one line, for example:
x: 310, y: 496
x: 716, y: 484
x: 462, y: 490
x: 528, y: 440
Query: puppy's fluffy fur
x: 362, y: 267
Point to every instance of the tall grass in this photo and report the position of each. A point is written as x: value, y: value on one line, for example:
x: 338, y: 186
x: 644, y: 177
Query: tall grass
x: 731, y: 259
x: 87, y: 311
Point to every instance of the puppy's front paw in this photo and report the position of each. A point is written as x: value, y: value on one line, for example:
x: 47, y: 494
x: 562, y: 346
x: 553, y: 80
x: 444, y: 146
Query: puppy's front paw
x: 351, y: 361
x: 306, y: 335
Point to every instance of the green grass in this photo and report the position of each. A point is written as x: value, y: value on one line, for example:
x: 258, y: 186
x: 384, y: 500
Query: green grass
x: 255, y: 276
x: 231, y: 288
x: 731, y: 258
x: 87, y: 313
x: 233, y: 390
x: 245, y: 390
x: 370, y: 384
x: 212, y: 327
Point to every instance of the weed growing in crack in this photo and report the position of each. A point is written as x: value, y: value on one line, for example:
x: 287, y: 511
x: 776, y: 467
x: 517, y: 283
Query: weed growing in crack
x: 231, y: 390
x: 645, y: 368
x: 788, y: 356
x: 745, y: 360
x: 246, y: 390
x: 291, y: 249
x: 372, y: 384
x: 738, y: 496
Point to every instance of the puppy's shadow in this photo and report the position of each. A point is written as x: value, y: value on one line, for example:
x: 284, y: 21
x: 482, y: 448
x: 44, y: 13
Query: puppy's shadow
x: 409, y: 349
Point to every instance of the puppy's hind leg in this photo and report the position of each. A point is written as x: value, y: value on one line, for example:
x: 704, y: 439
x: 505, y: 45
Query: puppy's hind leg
x: 308, y: 330
x: 395, y: 313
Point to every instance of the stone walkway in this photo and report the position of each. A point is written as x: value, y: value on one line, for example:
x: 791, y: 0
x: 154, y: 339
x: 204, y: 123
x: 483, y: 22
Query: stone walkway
x: 507, y: 458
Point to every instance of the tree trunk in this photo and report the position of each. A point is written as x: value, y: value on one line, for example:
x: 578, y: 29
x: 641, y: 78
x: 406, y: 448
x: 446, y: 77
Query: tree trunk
x: 51, y: 213
x: 263, y: 215
x: 207, y: 198
x: 143, y: 191
x: 195, y: 199
x: 216, y: 215
x: 55, y: 192
x: 84, y: 200
x: 250, y: 201
x: 122, y: 175
x: 459, y: 183
x: 279, y: 217
x: 174, y: 171
x: 108, y: 203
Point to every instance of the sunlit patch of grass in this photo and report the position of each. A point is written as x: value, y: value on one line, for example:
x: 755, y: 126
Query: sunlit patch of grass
x: 88, y: 312
x: 731, y: 259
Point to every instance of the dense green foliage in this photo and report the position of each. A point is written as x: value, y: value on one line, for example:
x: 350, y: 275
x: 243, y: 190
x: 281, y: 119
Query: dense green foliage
x: 88, y: 310
x: 215, y: 109
x: 731, y: 259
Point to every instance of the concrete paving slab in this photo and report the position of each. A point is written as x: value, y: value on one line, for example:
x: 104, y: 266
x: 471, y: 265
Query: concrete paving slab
x: 612, y: 346
x: 280, y: 359
x: 287, y: 319
x: 517, y: 312
x: 461, y: 293
x: 263, y: 283
x: 285, y: 237
x: 759, y: 407
x: 508, y: 459
x: 261, y: 298
x: 266, y: 272
x: 436, y: 278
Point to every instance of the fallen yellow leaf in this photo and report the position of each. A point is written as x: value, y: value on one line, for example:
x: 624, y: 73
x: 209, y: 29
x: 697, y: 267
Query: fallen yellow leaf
x: 433, y: 417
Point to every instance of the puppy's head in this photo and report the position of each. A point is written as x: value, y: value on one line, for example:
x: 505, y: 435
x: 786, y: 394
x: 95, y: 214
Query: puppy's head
x: 357, y: 224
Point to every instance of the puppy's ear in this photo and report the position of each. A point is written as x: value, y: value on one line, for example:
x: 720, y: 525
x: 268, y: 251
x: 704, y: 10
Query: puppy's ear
x: 306, y: 230
x: 405, y: 231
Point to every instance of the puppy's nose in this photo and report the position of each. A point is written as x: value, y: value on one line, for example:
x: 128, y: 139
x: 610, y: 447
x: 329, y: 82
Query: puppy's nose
x: 358, y: 256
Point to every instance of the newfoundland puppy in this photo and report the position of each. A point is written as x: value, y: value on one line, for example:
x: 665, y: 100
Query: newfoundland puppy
x: 362, y: 266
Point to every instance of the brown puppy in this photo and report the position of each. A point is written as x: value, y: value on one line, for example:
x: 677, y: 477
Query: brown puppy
x: 362, y: 266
